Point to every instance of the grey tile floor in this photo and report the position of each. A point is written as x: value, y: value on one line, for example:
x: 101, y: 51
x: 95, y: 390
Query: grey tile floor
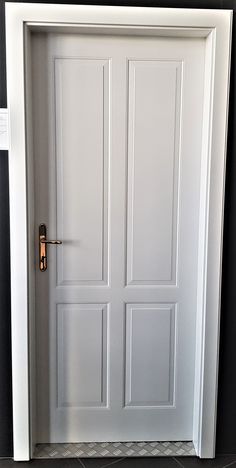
x: 158, y: 462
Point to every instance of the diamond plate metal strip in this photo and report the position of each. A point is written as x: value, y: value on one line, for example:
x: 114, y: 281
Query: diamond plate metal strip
x: 114, y: 449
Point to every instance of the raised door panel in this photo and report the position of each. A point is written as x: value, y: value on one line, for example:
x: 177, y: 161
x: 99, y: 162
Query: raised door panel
x: 82, y: 355
x: 153, y: 167
x: 150, y: 354
x: 82, y: 154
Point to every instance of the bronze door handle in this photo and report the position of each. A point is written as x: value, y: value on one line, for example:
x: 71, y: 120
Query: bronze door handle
x: 43, y: 241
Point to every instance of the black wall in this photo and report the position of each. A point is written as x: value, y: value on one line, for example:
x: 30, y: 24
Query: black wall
x: 5, y: 337
x: 226, y: 425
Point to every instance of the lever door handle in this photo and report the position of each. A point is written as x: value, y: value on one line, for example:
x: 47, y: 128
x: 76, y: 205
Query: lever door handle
x: 54, y: 242
x: 43, y: 242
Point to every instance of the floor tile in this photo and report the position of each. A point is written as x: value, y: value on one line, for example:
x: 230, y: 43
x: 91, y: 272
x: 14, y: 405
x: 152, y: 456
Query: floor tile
x: 67, y: 463
x: 5, y: 463
x: 100, y: 462
x: 150, y: 462
x: 218, y: 462
x: 142, y: 462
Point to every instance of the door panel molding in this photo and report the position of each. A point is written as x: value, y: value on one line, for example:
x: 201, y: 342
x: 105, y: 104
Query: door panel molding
x: 160, y: 338
x: 146, y: 250
x: 215, y: 26
x: 90, y: 269
x: 75, y: 333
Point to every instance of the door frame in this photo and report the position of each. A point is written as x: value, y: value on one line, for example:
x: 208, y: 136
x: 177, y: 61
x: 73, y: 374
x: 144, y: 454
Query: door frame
x: 216, y: 27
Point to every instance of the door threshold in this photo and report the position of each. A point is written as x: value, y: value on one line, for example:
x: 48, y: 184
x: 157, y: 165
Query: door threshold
x: 114, y: 449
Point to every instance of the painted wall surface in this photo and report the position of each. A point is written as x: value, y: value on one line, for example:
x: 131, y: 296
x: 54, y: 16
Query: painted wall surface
x: 5, y: 310
x: 226, y: 425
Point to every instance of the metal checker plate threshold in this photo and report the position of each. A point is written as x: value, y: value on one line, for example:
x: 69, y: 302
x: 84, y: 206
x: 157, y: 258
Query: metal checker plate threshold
x: 114, y: 449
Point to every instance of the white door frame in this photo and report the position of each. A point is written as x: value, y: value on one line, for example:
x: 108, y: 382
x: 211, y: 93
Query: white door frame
x: 215, y: 26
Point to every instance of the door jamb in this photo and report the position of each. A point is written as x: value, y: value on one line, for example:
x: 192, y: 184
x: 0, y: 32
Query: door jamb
x: 215, y: 26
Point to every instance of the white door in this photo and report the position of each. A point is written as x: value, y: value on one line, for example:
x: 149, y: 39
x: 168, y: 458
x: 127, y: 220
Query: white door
x: 117, y: 154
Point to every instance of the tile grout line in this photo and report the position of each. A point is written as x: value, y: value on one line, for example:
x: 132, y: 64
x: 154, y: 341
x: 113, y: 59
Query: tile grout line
x: 80, y: 462
x: 229, y: 464
x: 113, y: 463
x: 178, y: 462
x: 103, y: 466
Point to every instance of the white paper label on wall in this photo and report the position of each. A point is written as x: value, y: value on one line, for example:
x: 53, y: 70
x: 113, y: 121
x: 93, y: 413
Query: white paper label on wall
x: 4, y: 129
